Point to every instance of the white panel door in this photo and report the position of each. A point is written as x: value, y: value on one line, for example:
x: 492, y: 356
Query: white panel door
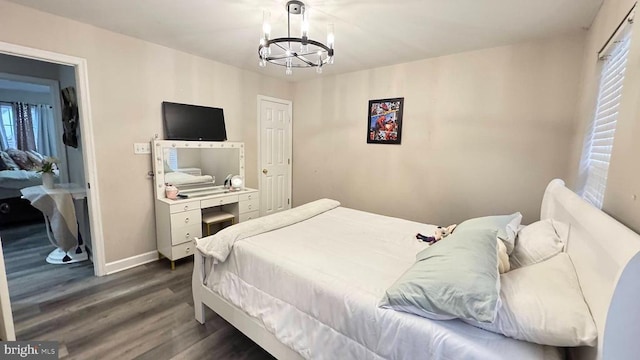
x: 275, y: 155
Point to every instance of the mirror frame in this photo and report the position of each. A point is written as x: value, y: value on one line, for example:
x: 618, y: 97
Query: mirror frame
x: 158, y: 147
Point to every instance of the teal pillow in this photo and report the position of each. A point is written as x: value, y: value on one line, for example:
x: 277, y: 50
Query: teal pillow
x: 454, y: 278
x: 505, y: 225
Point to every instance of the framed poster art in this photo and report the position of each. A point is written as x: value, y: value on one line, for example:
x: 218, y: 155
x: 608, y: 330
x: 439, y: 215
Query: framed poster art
x: 384, y: 121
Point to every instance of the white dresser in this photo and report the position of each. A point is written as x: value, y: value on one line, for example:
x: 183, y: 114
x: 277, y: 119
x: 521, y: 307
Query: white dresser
x: 178, y: 222
x: 249, y: 206
x: 197, y: 164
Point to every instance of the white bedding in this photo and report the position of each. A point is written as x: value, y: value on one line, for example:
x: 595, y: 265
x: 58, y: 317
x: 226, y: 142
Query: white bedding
x: 180, y: 178
x: 15, y: 179
x: 330, y: 272
x: 11, y: 181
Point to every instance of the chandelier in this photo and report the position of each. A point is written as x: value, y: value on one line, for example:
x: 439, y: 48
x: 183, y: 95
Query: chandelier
x: 295, y: 52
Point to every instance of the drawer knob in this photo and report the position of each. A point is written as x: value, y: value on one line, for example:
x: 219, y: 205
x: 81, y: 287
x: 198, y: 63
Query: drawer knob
x: 186, y: 207
x: 249, y: 197
x: 249, y: 206
x: 187, y: 250
x: 187, y: 235
x: 221, y: 201
x: 186, y: 220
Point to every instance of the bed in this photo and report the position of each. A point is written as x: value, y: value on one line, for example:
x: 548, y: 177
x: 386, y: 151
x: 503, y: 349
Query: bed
x: 11, y: 181
x: 303, y: 299
x: 13, y: 208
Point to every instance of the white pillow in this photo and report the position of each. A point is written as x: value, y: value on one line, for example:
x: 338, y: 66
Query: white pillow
x: 503, y: 257
x: 512, y: 231
x: 538, y: 242
x: 543, y: 303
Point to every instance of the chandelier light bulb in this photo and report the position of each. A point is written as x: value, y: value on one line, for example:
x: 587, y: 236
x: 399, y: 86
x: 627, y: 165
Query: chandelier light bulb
x: 305, y: 22
x: 331, y: 38
x: 266, y: 24
x: 288, y: 71
x: 319, y: 69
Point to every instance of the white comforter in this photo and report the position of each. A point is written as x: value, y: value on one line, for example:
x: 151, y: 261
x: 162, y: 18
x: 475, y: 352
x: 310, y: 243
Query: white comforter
x: 220, y: 244
x: 316, y: 285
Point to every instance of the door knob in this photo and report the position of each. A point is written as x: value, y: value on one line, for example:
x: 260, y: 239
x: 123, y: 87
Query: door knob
x: 265, y: 171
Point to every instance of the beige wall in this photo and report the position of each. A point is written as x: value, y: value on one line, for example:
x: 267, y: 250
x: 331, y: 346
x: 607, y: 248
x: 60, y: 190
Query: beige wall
x: 624, y: 171
x: 128, y: 79
x: 483, y: 133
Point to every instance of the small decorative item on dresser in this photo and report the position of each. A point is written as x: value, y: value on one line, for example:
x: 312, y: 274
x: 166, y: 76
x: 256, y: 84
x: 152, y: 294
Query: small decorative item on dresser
x: 171, y: 192
x: 48, y: 170
x: 236, y: 183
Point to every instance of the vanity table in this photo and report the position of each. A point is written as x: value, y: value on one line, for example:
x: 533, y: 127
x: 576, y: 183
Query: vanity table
x: 179, y: 221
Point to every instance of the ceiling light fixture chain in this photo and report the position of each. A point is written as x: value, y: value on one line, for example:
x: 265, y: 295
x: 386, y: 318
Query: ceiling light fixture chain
x: 283, y: 52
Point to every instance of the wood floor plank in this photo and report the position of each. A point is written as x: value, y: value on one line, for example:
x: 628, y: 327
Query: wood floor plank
x: 142, y: 313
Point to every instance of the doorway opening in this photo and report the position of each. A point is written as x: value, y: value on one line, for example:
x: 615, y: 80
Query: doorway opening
x: 45, y: 95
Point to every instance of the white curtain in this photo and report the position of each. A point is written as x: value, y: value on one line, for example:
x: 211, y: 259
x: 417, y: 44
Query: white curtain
x: 6, y: 117
x: 45, y: 130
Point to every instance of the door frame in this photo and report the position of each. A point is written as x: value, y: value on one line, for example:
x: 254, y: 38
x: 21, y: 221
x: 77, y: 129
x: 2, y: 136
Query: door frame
x: 87, y: 139
x: 289, y: 104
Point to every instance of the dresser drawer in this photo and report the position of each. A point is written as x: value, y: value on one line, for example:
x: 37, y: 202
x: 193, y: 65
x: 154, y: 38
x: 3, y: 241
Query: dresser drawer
x: 249, y: 205
x: 192, y: 205
x: 248, y: 196
x: 248, y: 216
x: 186, y: 218
x: 182, y: 250
x: 230, y: 199
x: 183, y: 234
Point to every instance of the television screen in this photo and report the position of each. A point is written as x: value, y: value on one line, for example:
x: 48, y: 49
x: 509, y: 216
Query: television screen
x: 192, y: 122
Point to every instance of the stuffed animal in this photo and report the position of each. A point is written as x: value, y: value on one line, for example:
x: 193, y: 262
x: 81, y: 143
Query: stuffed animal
x: 439, y: 234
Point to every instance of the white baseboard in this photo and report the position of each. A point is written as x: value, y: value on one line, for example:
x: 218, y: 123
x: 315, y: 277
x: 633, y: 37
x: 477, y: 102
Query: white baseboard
x: 128, y: 263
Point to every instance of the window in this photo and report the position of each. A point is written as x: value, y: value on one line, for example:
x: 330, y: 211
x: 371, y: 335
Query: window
x: 8, y: 126
x: 171, y: 157
x: 597, y: 152
x: 35, y: 121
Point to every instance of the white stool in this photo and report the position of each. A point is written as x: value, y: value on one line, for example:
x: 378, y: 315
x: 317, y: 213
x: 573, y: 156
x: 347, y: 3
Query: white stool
x: 216, y: 217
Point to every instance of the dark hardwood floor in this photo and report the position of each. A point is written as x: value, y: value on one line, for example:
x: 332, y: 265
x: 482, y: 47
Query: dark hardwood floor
x: 141, y: 313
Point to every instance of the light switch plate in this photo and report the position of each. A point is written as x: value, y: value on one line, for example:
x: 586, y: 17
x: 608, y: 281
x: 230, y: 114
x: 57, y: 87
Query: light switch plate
x: 142, y: 148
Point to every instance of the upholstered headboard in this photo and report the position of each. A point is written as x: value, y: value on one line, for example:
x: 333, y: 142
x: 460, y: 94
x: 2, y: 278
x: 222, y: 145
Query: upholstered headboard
x: 606, y: 257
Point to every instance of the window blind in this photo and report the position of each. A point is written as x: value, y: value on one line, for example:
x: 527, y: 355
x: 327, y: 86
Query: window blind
x: 604, y: 123
x: 173, y: 158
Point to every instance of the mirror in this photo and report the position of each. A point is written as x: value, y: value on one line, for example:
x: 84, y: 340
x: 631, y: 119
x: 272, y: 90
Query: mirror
x: 197, y: 168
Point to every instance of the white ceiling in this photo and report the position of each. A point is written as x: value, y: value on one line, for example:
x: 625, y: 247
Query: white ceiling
x: 369, y: 33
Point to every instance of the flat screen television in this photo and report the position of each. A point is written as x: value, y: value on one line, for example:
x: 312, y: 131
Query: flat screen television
x: 193, y: 122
